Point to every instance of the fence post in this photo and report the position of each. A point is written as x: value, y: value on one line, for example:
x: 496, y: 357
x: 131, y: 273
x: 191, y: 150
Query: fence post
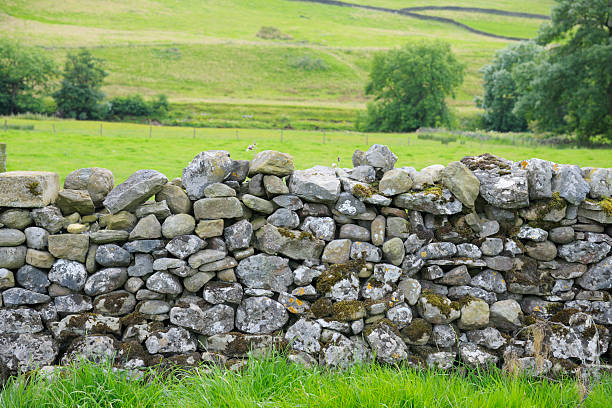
x: 194, y: 131
x: 53, y: 128
x: 5, y: 126
x: 150, y: 131
x: 100, y: 129
x: 2, y: 157
x: 281, y: 135
x: 237, y: 137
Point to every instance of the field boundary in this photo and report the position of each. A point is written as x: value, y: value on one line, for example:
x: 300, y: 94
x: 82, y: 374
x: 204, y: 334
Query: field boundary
x: 480, y: 10
x: 407, y: 13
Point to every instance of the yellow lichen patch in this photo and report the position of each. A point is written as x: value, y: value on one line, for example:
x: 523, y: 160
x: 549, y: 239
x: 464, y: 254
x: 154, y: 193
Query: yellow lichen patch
x: 364, y: 191
x: 524, y: 164
x: 606, y: 205
x: 292, y: 309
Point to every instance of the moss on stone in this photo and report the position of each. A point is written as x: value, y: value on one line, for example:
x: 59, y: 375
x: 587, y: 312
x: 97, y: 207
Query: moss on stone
x: 606, y: 206
x: 544, y: 207
x: 383, y: 321
x: 322, y: 307
x: 345, y: 310
x: 364, y: 191
x: 416, y: 329
x: 133, y: 318
x: 563, y: 316
x: 287, y: 233
x: 553, y: 308
x: 33, y: 188
x: 440, y: 303
x: 466, y: 300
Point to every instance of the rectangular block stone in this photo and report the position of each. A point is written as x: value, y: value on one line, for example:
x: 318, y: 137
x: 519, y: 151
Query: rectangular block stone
x: 69, y: 246
x: 28, y: 189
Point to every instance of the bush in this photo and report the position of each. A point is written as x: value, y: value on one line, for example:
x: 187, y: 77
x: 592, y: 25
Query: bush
x: 308, y: 63
x: 135, y: 105
x: 410, y: 86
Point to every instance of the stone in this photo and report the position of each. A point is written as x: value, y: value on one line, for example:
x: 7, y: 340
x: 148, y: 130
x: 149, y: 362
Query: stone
x: 69, y: 274
x: 18, y: 321
x: 492, y: 246
x: 28, y: 277
x: 600, y: 183
x: 354, y: 232
x: 506, y: 191
x: 380, y: 157
x: 260, y: 315
x: 179, y: 224
x: 85, y: 324
x: 111, y: 255
x: 28, y: 189
x: 183, y: 246
x: 474, y: 315
x: 377, y: 230
x: 598, y: 276
x: 533, y: 234
x: 468, y: 251
x: 475, y: 357
x: 153, y: 307
x: 499, y: 263
x: 388, y: 347
x: 411, y: 289
x: 318, y: 185
x: 209, y: 321
x: 123, y: 220
x: 157, y: 208
x: 73, y: 303
x: 25, y: 352
x: 435, y: 201
x: 349, y: 205
x: 71, y: 201
x: 206, y: 168
x: 98, y: 182
x: 457, y: 276
x: 568, y: 182
x: 69, y: 246
x: 16, y: 218
x: 584, y: 252
x: 340, y: 353
x: 561, y: 235
x: 489, y: 337
x: 222, y: 292
x: 542, y: 251
x: 219, y: 190
x: 363, y: 173
x: 175, y: 197
x: 170, y: 340
x: 321, y: 227
x: 143, y: 265
x: 205, y: 256
x: 105, y: 280
x: 365, y: 251
x: 394, y: 251
x: 398, y: 227
x: 506, y: 314
x: 164, y: 282
x: 36, y: 237
x: 400, y: 315
x: 275, y: 185
x: 437, y: 309
x: 337, y: 251
x: 539, y: 177
x: 209, y: 228
x: 284, y: 218
x: 134, y: 191
x: 49, y: 218
x: 108, y: 236
x: 565, y: 270
x: 117, y: 303
x: 265, y: 272
x: 304, y: 336
x: 461, y: 182
x: 271, y: 162
x: 216, y: 208
x: 438, y: 250
x: 394, y: 182
x: 288, y: 201
x: 489, y: 280
x: 147, y: 228
x: 134, y: 284
x: 11, y: 237
x: 12, y: 257
x: 18, y: 296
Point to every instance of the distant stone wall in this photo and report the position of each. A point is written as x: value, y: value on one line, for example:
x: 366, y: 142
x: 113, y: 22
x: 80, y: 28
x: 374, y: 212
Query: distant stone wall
x: 467, y: 263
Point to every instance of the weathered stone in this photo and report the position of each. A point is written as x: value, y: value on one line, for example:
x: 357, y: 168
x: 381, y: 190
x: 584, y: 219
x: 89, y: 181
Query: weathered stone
x: 337, y: 251
x: 179, y: 224
x: 598, y: 276
x: 69, y: 246
x: 489, y: 280
x: 73, y: 303
x: 28, y: 189
x: 117, y: 303
x: 134, y: 191
x: 170, y: 340
x: 25, y: 352
x: 304, y: 336
x: 219, y: 190
x: 584, y: 252
x: 205, y: 256
x: 288, y: 201
x: 438, y: 250
x: 318, y: 184
x: 105, y: 281
x: 157, y: 208
x: 183, y: 246
x: 11, y: 237
x: 7, y: 279
x: 506, y: 191
x: 260, y: 315
x: 388, y: 347
x: 475, y: 357
x: 213, y: 320
x: 284, y: 218
x: 265, y: 272
x: 568, y: 181
x: 437, y: 309
x: 216, y: 208
x: 85, y: 324
x: 123, y: 220
x: 12, y: 257
x: 380, y: 157
x: 18, y: 321
x: 147, y: 228
x: 474, y: 315
x: 49, y: 218
x: 71, y: 201
x: 600, y: 183
x: 539, y: 176
x: 499, y: 263
x: 561, y: 235
x: 108, y: 236
x: 321, y: 227
x: 153, y: 307
x: 98, y: 182
x: 111, y: 255
x: 36, y: 237
x: 143, y: 265
x: 175, y: 197
x: 69, y: 274
x: 340, y: 352
x: 434, y: 201
x: 457, y: 276
x: 461, y: 182
x: 394, y: 182
x: 16, y: 218
x: 542, y: 251
x: 506, y: 314
x: 365, y: 251
x: 19, y: 296
x: 222, y: 292
x: 394, y: 251
x: 206, y: 168
x: 164, y: 282
x: 271, y: 162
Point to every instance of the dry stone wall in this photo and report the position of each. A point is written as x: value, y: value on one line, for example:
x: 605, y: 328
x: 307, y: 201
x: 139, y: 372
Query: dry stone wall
x: 483, y: 261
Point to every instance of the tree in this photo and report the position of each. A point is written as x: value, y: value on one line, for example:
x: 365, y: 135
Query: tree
x: 25, y: 76
x: 80, y: 95
x: 410, y: 86
x: 500, y: 87
x: 571, y: 89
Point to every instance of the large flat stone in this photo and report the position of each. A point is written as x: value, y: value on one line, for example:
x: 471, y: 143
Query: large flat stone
x: 28, y: 189
x: 134, y: 191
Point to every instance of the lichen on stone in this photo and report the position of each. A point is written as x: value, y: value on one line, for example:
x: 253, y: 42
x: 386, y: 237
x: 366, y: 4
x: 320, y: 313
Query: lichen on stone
x: 606, y: 206
x: 364, y: 191
x: 439, y: 302
x: 345, y: 310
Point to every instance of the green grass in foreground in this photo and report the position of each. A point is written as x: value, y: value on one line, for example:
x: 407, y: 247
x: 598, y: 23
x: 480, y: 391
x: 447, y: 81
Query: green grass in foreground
x: 125, y: 148
x: 274, y: 382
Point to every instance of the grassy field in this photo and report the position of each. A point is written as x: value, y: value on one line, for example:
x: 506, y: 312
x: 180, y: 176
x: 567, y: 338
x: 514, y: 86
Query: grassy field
x: 207, y: 53
x: 274, y: 382
x: 125, y: 148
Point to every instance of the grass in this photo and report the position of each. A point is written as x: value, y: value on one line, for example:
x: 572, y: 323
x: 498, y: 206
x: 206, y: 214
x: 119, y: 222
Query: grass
x: 125, y: 148
x: 271, y: 381
x: 200, y: 53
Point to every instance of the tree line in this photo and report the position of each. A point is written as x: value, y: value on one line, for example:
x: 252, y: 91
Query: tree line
x: 27, y: 81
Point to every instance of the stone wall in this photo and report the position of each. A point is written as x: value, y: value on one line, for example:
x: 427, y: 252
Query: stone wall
x: 484, y: 261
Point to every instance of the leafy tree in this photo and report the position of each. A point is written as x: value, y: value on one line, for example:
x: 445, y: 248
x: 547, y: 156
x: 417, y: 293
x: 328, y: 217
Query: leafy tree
x: 410, y: 86
x: 571, y: 89
x: 500, y: 87
x: 135, y: 105
x: 25, y: 76
x: 80, y: 95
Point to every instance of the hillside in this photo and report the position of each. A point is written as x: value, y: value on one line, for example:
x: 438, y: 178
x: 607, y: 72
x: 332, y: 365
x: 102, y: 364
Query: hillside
x: 208, y: 54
